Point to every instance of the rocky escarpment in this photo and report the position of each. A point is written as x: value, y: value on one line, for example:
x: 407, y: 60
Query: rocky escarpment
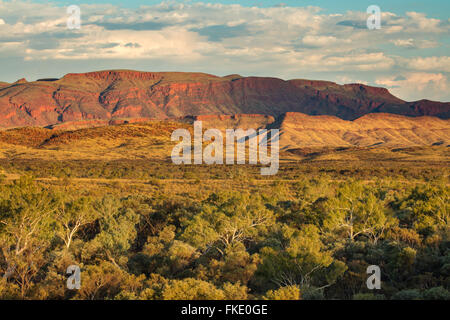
x: 112, y: 94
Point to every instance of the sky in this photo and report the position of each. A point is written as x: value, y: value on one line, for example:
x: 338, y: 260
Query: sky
x: 326, y: 40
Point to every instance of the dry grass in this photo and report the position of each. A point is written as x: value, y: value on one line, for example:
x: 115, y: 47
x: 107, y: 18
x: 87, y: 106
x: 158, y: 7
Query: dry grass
x: 136, y: 158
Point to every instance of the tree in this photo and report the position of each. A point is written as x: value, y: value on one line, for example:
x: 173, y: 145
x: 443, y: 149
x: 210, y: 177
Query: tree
x: 235, y: 266
x: 191, y: 289
x: 25, y: 232
x: 355, y: 211
x: 227, y: 219
x: 303, y: 261
x: 117, y: 230
x: 71, y: 215
x: 426, y: 209
x: 101, y: 281
x: 291, y: 292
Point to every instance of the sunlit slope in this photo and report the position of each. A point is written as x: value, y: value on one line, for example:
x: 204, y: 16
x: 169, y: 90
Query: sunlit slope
x: 387, y: 130
x: 300, y: 136
x: 113, y: 94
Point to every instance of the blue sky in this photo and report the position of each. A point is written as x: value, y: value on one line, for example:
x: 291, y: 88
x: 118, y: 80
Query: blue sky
x: 433, y: 8
x: 288, y: 39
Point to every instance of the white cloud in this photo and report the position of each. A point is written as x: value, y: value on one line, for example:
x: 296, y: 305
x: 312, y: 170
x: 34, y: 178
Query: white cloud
x: 319, y: 41
x: 276, y: 41
x: 362, y: 61
x: 347, y: 80
x: 418, y: 85
x: 415, y: 43
x: 421, y: 22
x: 408, y: 43
x: 441, y: 64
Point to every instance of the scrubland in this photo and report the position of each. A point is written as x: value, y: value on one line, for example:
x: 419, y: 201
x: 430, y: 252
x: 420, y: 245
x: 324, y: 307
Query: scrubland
x: 109, y: 200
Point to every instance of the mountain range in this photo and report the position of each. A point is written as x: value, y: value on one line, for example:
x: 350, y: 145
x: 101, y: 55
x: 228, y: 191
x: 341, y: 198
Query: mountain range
x: 112, y: 95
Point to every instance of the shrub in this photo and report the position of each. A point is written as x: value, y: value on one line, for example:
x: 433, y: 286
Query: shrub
x: 436, y: 293
x: 409, y: 294
x: 284, y: 293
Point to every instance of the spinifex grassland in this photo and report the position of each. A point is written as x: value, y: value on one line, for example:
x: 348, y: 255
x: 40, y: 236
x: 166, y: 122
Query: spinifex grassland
x: 110, y: 200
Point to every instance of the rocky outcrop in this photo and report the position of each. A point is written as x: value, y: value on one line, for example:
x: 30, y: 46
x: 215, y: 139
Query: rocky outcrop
x: 113, y: 94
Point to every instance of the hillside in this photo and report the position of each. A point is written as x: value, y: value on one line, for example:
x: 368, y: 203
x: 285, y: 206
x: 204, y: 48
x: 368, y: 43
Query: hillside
x: 387, y: 130
x: 374, y: 135
x: 115, y: 94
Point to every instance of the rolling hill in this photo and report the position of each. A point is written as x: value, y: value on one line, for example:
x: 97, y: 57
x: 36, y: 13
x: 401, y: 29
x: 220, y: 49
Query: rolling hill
x: 301, y: 135
x: 375, y: 129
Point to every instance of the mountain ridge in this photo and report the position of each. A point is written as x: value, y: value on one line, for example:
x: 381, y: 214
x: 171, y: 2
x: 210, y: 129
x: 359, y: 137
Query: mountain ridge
x: 115, y: 94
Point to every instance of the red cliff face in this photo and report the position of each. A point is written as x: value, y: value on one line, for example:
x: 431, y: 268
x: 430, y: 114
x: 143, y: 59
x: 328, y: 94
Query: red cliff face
x: 109, y: 95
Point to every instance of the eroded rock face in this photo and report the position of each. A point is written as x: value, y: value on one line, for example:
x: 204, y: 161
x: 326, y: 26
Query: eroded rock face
x: 107, y: 95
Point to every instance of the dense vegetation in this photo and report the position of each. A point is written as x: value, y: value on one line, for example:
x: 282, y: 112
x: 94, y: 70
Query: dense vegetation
x: 144, y: 169
x: 308, y: 238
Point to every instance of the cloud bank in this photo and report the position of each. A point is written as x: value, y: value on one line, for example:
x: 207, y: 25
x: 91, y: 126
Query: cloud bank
x: 288, y: 42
